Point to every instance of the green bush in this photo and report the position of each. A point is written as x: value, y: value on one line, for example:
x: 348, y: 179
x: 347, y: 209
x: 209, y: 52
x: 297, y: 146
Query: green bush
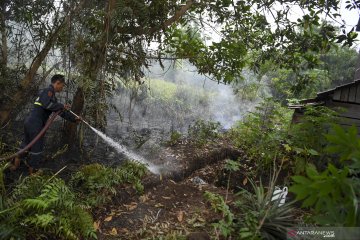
x: 334, y: 193
x: 202, y: 132
x: 42, y: 207
x: 267, y: 135
x: 175, y: 136
x: 96, y: 184
x: 307, y: 141
x: 255, y: 216
x: 262, y: 133
x: 225, y: 226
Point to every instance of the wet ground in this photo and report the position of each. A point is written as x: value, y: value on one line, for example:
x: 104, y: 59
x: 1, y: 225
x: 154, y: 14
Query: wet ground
x: 174, y: 203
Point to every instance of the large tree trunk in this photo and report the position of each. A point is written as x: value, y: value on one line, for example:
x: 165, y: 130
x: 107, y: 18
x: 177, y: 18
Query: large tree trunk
x: 77, y: 107
x: 25, y: 84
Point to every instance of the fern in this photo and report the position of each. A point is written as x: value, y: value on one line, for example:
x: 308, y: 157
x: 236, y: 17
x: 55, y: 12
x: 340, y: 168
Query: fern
x: 42, y: 220
x: 43, y: 206
x: 51, y: 211
x: 96, y: 184
x: 35, y: 204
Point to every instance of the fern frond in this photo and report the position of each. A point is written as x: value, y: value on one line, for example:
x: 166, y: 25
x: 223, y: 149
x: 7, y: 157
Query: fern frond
x: 35, y: 204
x: 40, y: 220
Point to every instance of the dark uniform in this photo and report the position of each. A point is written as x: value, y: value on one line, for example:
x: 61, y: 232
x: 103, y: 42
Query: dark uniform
x: 44, y: 105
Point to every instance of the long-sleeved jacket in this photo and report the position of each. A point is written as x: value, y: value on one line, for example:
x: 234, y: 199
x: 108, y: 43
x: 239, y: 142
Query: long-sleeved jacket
x: 45, y: 104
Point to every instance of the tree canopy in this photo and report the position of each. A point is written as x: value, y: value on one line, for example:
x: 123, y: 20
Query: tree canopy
x: 104, y: 41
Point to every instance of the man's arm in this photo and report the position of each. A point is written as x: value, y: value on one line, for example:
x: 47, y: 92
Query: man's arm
x: 68, y: 116
x: 48, y: 101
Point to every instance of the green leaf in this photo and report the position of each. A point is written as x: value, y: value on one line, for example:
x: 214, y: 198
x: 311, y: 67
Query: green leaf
x: 311, y: 171
x: 310, y: 201
x: 313, y: 152
x: 301, y: 179
x: 300, y: 191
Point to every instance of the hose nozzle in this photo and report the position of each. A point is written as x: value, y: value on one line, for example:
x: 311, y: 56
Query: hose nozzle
x: 79, y: 117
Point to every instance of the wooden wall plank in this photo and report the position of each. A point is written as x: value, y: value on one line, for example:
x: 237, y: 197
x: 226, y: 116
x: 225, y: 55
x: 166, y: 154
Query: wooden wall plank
x: 350, y: 121
x: 358, y: 94
x: 351, y: 110
x: 337, y: 94
x: 344, y: 94
x: 352, y: 93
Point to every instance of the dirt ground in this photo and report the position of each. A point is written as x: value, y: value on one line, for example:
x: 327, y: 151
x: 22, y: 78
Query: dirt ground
x: 168, y: 208
x: 172, y: 204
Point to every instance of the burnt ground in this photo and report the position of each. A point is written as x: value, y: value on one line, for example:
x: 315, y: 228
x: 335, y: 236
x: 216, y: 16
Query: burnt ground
x: 173, y: 204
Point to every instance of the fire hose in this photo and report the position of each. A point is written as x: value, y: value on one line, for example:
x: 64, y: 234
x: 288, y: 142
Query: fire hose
x: 40, y: 134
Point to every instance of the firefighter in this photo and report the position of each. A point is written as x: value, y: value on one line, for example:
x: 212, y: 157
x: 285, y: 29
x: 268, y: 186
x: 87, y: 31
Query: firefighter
x: 44, y: 105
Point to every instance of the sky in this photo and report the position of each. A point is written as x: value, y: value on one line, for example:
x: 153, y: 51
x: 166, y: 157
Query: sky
x: 350, y: 17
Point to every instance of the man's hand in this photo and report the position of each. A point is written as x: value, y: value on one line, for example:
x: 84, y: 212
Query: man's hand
x: 67, y: 106
x: 78, y: 119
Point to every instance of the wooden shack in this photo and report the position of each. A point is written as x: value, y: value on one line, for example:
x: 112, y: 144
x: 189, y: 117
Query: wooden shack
x: 346, y: 97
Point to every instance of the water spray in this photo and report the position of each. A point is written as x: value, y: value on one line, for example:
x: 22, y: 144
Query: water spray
x: 120, y: 148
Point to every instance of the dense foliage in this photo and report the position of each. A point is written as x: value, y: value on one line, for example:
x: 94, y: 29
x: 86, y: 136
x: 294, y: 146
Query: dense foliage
x: 42, y: 206
x: 253, y: 216
x: 334, y: 192
x: 103, y: 42
x: 267, y: 135
x: 104, y: 46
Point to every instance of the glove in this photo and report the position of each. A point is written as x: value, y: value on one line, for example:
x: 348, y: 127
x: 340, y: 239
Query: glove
x: 78, y: 119
x: 67, y: 106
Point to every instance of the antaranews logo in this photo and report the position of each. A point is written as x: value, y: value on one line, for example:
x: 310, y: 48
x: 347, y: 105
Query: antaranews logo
x: 309, y: 234
x: 292, y: 233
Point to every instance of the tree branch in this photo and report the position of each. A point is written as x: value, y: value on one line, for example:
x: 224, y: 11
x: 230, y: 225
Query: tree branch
x: 28, y: 80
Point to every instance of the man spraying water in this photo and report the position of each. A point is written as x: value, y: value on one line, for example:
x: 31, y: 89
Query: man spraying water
x: 35, y: 126
x: 45, y: 104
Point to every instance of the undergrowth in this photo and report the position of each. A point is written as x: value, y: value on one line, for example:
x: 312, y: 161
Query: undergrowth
x: 333, y: 194
x: 252, y: 216
x: 96, y: 184
x: 43, y: 206
x: 324, y: 157
x: 261, y: 134
x: 202, y: 132
x: 268, y: 134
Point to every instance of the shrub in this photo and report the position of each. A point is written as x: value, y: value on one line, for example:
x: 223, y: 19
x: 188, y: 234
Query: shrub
x: 267, y: 134
x: 334, y: 193
x: 42, y: 207
x: 202, y: 132
x: 175, y: 136
x: 256, y: 216
x: 96, y: 183
x: 262, y: 133
x: 307, y: 138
